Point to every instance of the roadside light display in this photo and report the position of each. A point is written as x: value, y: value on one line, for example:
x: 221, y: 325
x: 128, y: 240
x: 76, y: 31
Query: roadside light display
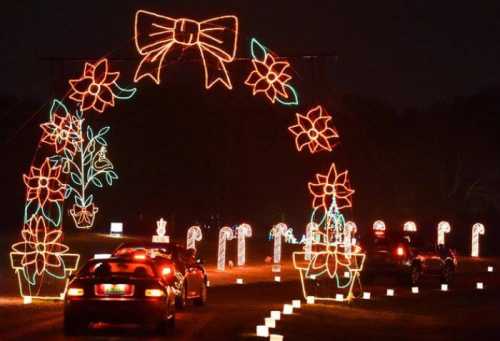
x: 243, y: 231
x: 225, y: 234
x: 477, y: 230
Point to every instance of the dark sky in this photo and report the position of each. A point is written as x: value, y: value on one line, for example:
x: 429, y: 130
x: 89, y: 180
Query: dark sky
x: 180, y: 149
x: 409, y: 53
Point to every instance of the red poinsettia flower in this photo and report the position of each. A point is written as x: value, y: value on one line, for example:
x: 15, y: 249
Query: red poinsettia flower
x: 330, y: 187
x: 269, y: 77
x: 41, y: 249
x: 313, y: 130
x: 95, y: 88
x: 63, y: 132
x: 43, y: 184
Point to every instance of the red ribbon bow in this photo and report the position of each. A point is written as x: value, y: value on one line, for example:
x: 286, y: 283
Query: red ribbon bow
x: 216, y: 38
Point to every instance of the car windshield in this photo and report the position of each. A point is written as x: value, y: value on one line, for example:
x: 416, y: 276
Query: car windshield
x: 116, y: 268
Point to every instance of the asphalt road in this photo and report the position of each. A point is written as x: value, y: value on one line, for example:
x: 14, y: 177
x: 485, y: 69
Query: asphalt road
x: 233, y: 311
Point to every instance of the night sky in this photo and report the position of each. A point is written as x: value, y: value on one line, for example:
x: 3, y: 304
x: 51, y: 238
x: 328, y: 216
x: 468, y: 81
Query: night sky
x: 187, y: 153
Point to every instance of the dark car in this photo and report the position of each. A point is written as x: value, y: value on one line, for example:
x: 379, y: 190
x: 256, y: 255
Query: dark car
x: 118, y: 290
x: 398, y: 254
x: 190, y: 280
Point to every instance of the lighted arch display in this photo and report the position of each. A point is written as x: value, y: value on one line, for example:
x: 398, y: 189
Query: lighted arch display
x: 78, y: 157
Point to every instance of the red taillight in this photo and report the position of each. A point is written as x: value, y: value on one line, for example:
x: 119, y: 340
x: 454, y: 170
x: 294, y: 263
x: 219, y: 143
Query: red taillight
x: 400, y: 251
x: 154, y: 293
x: 166, y: 271
x: 75, y: 292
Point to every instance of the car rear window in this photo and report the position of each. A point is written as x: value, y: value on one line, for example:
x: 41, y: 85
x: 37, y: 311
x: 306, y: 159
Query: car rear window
x: 112, y: 268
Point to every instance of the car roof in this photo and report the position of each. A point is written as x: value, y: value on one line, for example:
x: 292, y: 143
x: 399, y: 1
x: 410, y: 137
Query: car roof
x: 148, y: 245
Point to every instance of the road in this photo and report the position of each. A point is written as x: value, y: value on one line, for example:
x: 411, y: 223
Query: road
x: 234, y: 310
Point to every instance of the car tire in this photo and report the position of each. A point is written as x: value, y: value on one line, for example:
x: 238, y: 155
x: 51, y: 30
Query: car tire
x: 415, y: 274
x: 447, y: 273
x: 202, y: 300
x: 180, y: 301
x: 73, y: 326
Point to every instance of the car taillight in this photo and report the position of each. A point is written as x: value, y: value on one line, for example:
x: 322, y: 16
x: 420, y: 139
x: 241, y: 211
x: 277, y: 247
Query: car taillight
x: 400, y: 251
x: 166, y: 271
x: 154, y: 293
x: 75, y: 292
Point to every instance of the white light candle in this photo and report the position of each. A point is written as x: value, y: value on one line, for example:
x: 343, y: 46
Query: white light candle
x: 390, y: 292
x: 367, y: 295
x: 479, y: 285
x: 296, y: 304
x: 490, y: 269
x: 310, y: 299
x: 27, y: 300
x: 444, y: 287
x: 277, y: 278
x: 414, y: 290
x: 275, y: 337
x: 339, y: 297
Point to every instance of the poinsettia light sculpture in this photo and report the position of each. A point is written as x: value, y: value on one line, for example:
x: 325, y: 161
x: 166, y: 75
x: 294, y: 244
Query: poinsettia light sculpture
x: 333, y: 254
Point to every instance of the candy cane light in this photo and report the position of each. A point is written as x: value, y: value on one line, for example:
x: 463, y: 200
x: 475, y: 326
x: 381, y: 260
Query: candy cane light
x: 311, y: 229
x: 477, y: 229
x: 410, y: 226
x: 225, y: 234
x: 243, y: 231
x: 379, y: 228
x: 194, y: 235
x: 443, y: 227
x: 350, y: 229
x: 279, y: 230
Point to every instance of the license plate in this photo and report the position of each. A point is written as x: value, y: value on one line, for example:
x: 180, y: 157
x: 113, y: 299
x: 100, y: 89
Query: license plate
x: 107, y: 289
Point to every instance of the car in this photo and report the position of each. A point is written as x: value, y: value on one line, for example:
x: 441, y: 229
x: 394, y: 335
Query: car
x: 119, y: 290
x: 190, y: 280
x: 408, y: 258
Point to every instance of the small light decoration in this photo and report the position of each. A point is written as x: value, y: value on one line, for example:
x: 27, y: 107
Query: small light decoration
x: 330, y: 187
x: 414, y: 290
x: 314, y: 131
x: 277, y: 278
x: 379, y: 228
x: 367, y: 295
x: 287, y: 309
x: 339, y: 297
x: 270, y: 322
x: 390, y: 292
x: 27, y: 300
x: 225, y: 234
x: 194, y: 235
x: 310, y: 300
x: 277, y: 232
x: 444, y: 287
x: 275, y: 337
x: 410, y: 226
x: 97, y: 88
x: 157, y: 35
x: 477, y: 229
x: 311, y: 229
x: 161, y: 229
x: 490, y: 268
x: 296, y: 304
x: 479, y: 285
x: 239, y: 280
x: 262, y: 331
x: 270, y: 76
x: 116, y: 229
x: 242, y: 231
x: 443, y: 227
x: 276, y: 315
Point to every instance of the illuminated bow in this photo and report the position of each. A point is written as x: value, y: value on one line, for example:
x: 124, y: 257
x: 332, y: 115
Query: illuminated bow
x: 216, y: 38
